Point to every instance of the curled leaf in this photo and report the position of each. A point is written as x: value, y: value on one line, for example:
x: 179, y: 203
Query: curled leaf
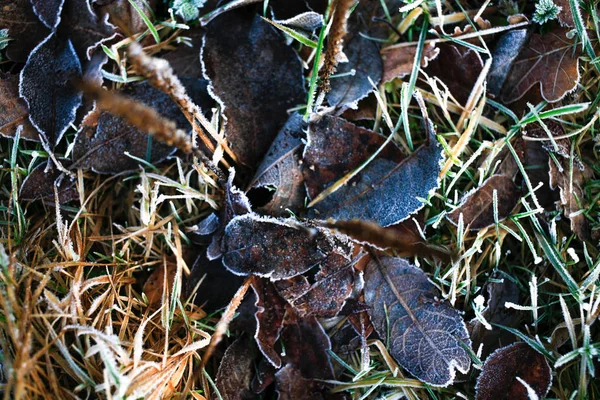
x: 427, y: 336
x: 502, y: 370
x: 275, y: 248
x: 235, y: 371
x: 477, y: 206
x: 398, y: 60
x: 46, y: 85
x: 269, y: 319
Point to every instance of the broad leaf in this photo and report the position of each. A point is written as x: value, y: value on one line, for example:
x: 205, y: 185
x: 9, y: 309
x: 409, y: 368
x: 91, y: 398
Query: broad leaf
x: 498, y: 379
x: 386, y: 191
x: 47, y: 87
x: 14, y: 110
x: 277, y: 249
x: 477, y: 206
x: 256, y: 101
x: 427, y: 336
x: 550, y: 60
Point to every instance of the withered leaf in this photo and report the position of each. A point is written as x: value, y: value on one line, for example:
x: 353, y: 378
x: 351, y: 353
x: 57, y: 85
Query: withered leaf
x: 386, y: 191
x: 565, y: 17
x: 185, y: 60
x: 275, y: 248
x: 535, y: 160
x: 291, y: 385
x: 39, y: 184
x: 105, y: 151
x: 46, y: 85
x: 398, y: 60
x: 14, y: 110
x: 24, y: 28
x: 269, y: 317
x: 124, y: 15
x: 236, y: 370
x: 427, y: 336
x: 477, y: 206
x: 570, y: 180
x: 281, y: 170
x: 254, y: 109
x: 159, y: 283
x: 48, y: 11
x: 506, y: 51
x: 86, y: 29
x: 563, y: 146
x: 551, y: 60
x: 498, y: 379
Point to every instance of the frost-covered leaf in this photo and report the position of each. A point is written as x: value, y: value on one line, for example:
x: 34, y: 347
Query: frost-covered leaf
x: 498, y: 379
x: 281, y: 172
x: 427, y: 336
x: 505, y: 53
x: 269, y: 319
x: 256, y: 101
x: 39, y: 185
x: 550, y: 60
x: 386, y: 191
x: 276, y: 248
x: 14, y: 110
x: 291, y: 385
x: 236, y: 370
x: 24, y: 28
x: 124, y: 15
x: 477, y: 206
x: 47, y: 87
x: 185, y: 60
x: 398, y: 60
x: 104, y: 151
x: 48, y: 11
x: 85, y: 28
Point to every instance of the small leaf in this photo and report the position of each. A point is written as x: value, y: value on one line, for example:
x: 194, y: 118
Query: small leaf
x: 39, y: 185
x: 427, y: 336
x: 477, y: 206
x: 14, y: 110
x: 46, y: 85
x: 281, y: 169
x: 255, y: 111
x: 498, y: 379
x: 565, y: 17
x: 277, y: 249
x: 24, y: 28
x: 551, y: 60
x: 269, y: 319
x: 386, y: 191
x: 398, y: 60
x: 48, y: 11
x: 160, y: 282
x: 236, y: 370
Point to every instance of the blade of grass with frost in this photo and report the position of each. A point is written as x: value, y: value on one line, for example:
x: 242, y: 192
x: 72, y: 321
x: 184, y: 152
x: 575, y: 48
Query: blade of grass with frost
x: 555, y: 112
x: 293, y: 34
x: 581, y: 31
x: 147, y: 21
x: 531, y: 342
x: 312, y: 87
x: 544, y: 127
x: 120, y: 79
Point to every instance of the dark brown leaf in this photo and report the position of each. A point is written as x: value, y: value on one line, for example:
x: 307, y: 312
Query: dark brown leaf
x: 281, y: 172
x: 427, y: 336
x: 551, y: 60
x: 498, y: 379
x: 277, y: 249
x: 386, y: 191
x: 563, y: 146
x: 235, y: 371
x: 125, y: 16
x: 565, y: 17
x: 269, y: 317
x: 570, y: 180
x: 46, y: 86
x: 291, y: 385
x: 86, y: 30
x: 39, y: 185
x: 477, y: 206
x: 398, y: 60
x: 159, y: 283
x: 24, y: 28
x: 256, y: 101
x: 14, y: 110
x: 185, y: 60
x: 105, y: 151
x: 48, y: 11
x: 535, y: 160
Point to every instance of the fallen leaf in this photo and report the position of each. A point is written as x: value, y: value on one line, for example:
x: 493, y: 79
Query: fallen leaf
x: 185, y: 60
x: 504, y: 55
x: 14, y: 110
x: 386, y: 191
x: 236, y: 371
x: 458, y: 67
x: 123, y: 14
x: 498, y: 379
x: 269, y: 317
x: 551, y: 60
x: 254, y: 110
x: 535, y: 161
x: 86, y: 30
x: 105, y: 151
x: 570, y: 180
x: 24, y: 28
x: 159, y: 283
x: 427, y: 336
x: 276, y: 248
x: 291, y: 385
x: 39, y: 185
x: 398, y: 60
x: 565, y: 17
x: 46, y: 85
x: 48, y: 11
x: 280, y: 172
x: 563, y: 146
x: 477, y: 206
